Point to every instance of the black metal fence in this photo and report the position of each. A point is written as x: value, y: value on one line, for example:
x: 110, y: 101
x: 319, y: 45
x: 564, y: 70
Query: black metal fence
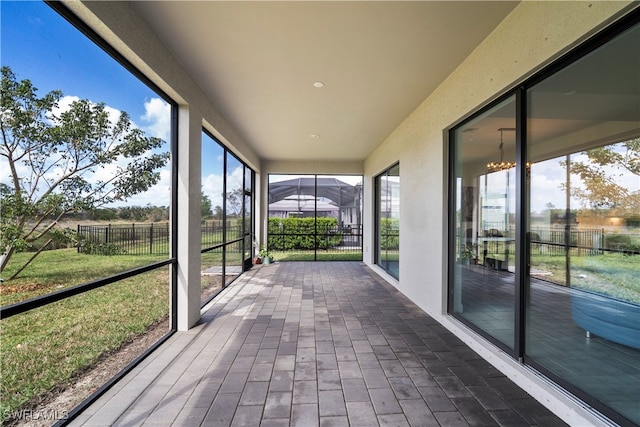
x: 580, y: 242
x: 145, y: 239
x: 339, y: 240
x: 213, y: 233
x: 130, y: 239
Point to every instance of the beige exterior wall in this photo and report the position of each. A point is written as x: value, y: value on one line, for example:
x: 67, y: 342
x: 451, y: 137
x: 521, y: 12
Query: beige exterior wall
x: 532, y: 36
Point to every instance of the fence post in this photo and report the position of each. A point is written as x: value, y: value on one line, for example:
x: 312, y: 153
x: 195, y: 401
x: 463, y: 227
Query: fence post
x: 151, y: 239
x: 132, y: 239
x: 78, y: 237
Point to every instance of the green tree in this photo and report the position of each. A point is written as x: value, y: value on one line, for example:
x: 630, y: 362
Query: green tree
x: 235, y: 200
x: 205, y: 206
x: 217, y: 212
x: 52, y: 156
x: 600, y: 177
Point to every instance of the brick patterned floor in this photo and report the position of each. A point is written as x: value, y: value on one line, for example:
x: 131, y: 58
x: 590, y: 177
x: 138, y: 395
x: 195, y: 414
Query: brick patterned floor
x: 315, y: 344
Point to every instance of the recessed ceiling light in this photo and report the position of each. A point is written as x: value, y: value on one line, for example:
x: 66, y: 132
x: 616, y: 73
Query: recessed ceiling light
x: 318, y: 84
x: 314, y: 136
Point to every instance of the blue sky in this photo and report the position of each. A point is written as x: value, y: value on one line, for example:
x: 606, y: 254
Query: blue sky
x: 40, y: 45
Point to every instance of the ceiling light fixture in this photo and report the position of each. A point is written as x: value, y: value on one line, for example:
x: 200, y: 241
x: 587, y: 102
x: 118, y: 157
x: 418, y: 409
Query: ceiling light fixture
x: 314, y: 136
x: 494, y: 166
x: 318, y: 84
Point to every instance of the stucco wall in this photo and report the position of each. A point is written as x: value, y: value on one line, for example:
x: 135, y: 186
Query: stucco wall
x: 532, y: 36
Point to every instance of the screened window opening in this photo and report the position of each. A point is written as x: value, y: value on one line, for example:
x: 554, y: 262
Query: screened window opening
x: 226, y: 216
x: 87, y: 194
x: 315, y: 217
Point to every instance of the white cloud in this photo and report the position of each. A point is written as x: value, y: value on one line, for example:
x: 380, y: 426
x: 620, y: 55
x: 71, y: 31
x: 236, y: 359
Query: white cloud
x: 546, y: 189
x: 157, y: 122
x: 158, y: 195
x: 235, y: 179
x: 157, y: 118
x: 212, y: 187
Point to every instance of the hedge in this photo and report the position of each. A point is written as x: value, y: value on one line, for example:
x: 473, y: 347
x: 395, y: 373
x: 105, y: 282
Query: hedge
x: 287, y: 234
x: 389, y: 233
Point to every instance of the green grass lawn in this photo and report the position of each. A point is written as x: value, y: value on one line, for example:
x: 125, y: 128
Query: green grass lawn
x: 321, y: 255
x: 612, y: 274
x: 44, y: 348
x: 62, y: 268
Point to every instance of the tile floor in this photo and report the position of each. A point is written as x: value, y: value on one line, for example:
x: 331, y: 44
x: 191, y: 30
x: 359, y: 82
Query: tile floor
x: 315, y: 344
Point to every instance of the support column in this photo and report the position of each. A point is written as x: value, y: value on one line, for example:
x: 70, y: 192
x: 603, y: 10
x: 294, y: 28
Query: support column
x: 189, y: 227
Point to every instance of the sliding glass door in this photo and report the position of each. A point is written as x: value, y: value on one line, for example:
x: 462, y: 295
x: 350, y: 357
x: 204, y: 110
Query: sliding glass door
x: 387, y: 187
x: 483, y: 264
x: 583, y: 302
x: 544, y: 227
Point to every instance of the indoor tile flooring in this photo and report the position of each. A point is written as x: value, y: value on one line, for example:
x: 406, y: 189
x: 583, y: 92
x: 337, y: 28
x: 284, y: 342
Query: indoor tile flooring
x: 315, y: 344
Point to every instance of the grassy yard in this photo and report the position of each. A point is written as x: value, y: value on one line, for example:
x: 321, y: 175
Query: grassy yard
x: 62, y: 268
x: 322, y: 255
x: 613, y: 274
x: 44, y: 348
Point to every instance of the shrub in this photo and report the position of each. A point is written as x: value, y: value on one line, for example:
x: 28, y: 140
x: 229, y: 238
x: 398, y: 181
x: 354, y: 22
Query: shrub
x: 91, y: 248
x: 287, y: 234
x: 389, y: 233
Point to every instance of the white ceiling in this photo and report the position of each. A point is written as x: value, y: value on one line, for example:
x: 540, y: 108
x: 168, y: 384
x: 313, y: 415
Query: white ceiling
x: 258, y: 62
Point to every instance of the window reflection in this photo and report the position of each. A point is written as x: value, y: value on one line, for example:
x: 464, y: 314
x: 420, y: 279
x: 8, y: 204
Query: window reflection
x: 388, y: 220
x: 583, y: 318
x: 584, y: 284
x: 484, y: 267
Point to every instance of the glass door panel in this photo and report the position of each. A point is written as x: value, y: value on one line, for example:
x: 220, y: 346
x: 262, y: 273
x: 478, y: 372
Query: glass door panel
x: 388, y: 220
x: 583, y: 318
x: 483, y: 267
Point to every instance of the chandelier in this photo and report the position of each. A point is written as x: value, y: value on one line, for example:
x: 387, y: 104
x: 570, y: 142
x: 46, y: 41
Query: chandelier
x: 502, y: 165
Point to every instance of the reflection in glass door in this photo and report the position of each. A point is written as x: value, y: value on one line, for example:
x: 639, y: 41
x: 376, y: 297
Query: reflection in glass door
x: 483, y: 263
x: 558, y: 282
x: 388, y: 220
x: 583, y: 318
